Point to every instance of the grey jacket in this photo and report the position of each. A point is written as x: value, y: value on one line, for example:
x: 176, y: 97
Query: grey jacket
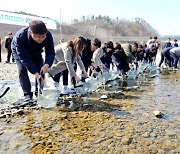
x: 98, y: 53
x: 176, y: 50
x: 64, y: 60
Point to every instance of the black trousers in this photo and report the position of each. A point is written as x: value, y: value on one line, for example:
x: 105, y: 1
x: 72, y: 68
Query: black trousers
x: 65, y: 77
x: 9, y: 53
x: 23, y: 74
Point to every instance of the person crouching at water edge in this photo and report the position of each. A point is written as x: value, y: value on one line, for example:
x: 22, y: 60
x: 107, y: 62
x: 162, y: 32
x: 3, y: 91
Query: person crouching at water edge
x: 66, y: 56
x: 27, y: 47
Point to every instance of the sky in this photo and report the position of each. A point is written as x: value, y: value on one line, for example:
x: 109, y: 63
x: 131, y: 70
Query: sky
x: 163, y: 15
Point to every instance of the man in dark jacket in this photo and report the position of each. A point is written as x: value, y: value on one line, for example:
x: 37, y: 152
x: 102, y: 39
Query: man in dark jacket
x: 167, y: 44
x: 8, y: 48
x: 27, y: 47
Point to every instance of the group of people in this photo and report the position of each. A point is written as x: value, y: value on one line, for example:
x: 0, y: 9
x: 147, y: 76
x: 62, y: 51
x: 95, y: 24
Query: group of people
x: 90, y: 55
x: 170, y: 54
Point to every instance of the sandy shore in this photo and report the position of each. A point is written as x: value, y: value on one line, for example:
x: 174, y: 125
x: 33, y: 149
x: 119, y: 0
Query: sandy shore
x: 8, y: 71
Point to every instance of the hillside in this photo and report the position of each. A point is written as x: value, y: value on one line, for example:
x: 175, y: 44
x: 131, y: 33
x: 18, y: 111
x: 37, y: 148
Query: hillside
x: 101, y: 27
x: 108, y: 29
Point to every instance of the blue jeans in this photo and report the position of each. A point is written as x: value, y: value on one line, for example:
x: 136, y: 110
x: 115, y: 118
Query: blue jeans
x: 175, y: 59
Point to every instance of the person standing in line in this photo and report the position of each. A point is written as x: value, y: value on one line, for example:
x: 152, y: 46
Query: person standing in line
x: 175, y: 44
x: 8, y: 48
x: 27, y: 47
x: 153, y: 40
x: 149, y: 41
x: 167, y: 43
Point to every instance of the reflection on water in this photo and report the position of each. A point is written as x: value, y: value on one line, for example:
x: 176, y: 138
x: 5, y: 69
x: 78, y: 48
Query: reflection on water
x: 163, y: 95
x: 166, y: 94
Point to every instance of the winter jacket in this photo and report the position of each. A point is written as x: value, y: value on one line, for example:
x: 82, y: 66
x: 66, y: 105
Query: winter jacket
x: 98, y: 53
x: 87, y: 54
x: 8, y: 44
x: 24, y: 47
x: 64, y: 60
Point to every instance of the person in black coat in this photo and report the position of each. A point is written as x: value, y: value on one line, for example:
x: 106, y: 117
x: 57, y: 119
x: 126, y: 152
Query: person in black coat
x: 87, y: 53
x: 107, y: 57
x: 8, y: 48
x: 119, y: 58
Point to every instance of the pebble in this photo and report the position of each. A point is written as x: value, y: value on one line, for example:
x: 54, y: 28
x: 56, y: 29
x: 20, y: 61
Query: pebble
x: 126, y: 140
x: 104, y: 97
x: 146, y: 134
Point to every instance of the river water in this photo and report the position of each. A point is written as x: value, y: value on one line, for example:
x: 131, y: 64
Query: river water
x: 122, y: 123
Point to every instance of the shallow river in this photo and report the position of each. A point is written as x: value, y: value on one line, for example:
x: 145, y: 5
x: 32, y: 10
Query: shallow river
x: 122, y: 123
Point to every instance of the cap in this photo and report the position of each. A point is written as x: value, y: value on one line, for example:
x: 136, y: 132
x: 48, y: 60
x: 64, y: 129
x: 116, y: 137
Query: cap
x: 9, y: 33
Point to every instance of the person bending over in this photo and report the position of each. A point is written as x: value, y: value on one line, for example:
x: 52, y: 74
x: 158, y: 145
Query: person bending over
x: 67, y: 55
x: 27, y: 47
